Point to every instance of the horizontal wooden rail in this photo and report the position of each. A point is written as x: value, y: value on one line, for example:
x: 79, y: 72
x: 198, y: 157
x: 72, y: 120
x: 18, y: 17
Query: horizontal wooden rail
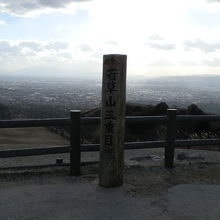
x: 196, y: 142
x: 198, y: 117
x: 34, y: 151
x: 34, y: 123
x: 83, y: 148
x: 129, y: 119
x: 89, y: 147
x: 95, y: 147
x: 90, y: 120
x: 96, y: 120
x: 144, y: 145
x: 128, y: 145
x: 145, y: 119
x: 67, y: 121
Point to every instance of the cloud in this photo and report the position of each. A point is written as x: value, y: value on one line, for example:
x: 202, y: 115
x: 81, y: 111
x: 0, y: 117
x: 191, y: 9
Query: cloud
x: 158, y: 42
x: 213, y: 1
x: 57, y: 45
x: 57, y: 3
x: 201, y: 45
x: 85, y: 48
x: 65, y: 55
x: 31, y: 45
x: 213, y: 63
x: 26, y: 51
x: 161, y: 46
x: 160, y: 63
x: 155, y: 37
x: 7, y: 49
x: 112, y: 42
x: 37, y: 46
x: 23, y: 7
x: 2, y: 22
x: 187, y: 63
x: 15, y: 55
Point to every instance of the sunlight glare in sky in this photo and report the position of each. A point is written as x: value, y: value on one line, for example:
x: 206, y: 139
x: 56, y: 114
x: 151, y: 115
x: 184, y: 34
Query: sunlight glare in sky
x: 160, y: 37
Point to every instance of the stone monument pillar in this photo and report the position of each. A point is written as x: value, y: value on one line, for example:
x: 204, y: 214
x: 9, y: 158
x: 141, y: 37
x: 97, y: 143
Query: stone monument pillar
x: 113, y: 120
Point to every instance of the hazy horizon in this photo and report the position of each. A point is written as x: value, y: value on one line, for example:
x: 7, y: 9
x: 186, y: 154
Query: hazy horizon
x: 51, y: 73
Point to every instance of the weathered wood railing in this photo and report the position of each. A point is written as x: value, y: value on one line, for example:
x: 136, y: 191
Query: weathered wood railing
x: 75, y: 148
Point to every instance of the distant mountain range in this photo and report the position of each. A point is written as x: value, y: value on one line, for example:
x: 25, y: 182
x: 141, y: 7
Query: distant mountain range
x: 208, y: 81
x: 49, y: 73
x: 202, y: 81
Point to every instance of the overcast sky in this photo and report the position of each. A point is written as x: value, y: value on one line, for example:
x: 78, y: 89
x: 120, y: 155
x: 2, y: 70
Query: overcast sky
x: 69, y: 37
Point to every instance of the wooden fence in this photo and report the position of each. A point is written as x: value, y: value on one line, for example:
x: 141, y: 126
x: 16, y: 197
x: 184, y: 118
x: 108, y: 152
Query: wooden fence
x: 75, y: 148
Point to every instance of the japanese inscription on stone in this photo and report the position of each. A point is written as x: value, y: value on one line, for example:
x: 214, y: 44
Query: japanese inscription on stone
x: 110, y: 104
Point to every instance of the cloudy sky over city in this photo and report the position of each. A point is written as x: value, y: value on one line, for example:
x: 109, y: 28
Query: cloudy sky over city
x: 69, y: 37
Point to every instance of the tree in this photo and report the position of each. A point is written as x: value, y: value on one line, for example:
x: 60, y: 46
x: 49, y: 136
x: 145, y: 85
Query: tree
x: 195, y: 126
x: 193, y: 109
x: 161, y: 108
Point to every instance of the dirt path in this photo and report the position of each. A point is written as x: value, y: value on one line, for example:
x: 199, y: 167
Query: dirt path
x: 143, y: 174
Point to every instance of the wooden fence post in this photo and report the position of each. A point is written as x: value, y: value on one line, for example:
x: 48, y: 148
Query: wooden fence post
x: 112, y: 120
x: 75, y: 154
x: 170, y: 141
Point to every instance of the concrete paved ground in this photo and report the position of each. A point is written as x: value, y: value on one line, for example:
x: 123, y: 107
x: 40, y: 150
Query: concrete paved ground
x: 89, y: 201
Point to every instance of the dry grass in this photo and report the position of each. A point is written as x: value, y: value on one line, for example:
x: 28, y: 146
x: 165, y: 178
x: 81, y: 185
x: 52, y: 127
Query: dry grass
x: 12, y: 138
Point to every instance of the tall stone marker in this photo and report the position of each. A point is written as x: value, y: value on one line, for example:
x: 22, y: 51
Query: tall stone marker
x: 113, y: 120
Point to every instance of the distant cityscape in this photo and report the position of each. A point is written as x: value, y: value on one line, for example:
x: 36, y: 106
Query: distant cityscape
x: 86, y: 94
x: 59, y: 93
